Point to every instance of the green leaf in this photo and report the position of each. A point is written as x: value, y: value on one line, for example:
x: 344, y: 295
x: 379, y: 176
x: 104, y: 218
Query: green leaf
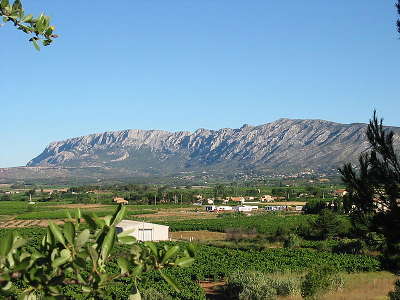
x: 123, y: 264
x: 6, y: 244
x: 22, y: 265
x: 36, y: 45
x: 91, y: 223
x: 93, y: 254
x: 126, y: 240
x: 82, y: 238
x: 184, y: 262
x: 169, y: 280
x: 55, y: 230
x: 118, y: 215
x: 86, y: 289
x: 108, y: 244
x: 152, y: 248
x: 191, y: 250
x: 137, y: 271
x: 78, y: 214
x: 4, y: 3
x: 135, y: 296
x: 69, y: 232
x: 170, y: 253
x: 59, y: 261
x: 27, y: 19
x: 65, y: 253
x: 7, y: 286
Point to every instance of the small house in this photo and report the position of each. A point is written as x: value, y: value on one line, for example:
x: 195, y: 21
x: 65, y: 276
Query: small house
x: 276, y: 208
x: 224, y: 208
x: 237, y: 199
x: 246, y: 208
x: 119, y: 200
x: 143, y: 231
x: 211, y: 208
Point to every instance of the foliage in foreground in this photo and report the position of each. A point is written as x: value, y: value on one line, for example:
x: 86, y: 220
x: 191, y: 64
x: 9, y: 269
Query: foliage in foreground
x: 210, y: 263
x: 38, y: 27
x: 76, y: 257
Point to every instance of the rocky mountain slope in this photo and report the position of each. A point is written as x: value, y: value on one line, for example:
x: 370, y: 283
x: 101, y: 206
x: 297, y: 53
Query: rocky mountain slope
x: 283, y: 145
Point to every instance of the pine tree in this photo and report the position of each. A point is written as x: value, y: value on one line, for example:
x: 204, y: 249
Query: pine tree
x: 374, y: 190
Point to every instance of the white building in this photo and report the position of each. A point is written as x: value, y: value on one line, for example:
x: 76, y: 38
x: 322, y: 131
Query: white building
x: 143, y: 231
x: 246, y: 208
x: 224, y: 208
x: 211, y: 208
x: 276, y: 208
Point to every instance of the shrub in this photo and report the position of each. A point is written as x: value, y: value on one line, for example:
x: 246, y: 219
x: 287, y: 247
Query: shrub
x: 315, y: 206
x: 250, y: 286
x: 292, y: 241
x: 153, y: 294
x: 320, y: 280
x: 375, y: 241
x: 395, y: 295
x: 258, y: 285
x: 350, y: 247
x: 286, y: 285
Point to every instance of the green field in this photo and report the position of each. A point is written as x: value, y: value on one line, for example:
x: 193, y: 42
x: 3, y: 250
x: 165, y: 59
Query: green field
x: 264, y: 223
x: 217, y: 263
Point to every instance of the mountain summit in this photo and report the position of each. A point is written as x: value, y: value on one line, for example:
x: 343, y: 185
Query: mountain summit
x: 285, y: 144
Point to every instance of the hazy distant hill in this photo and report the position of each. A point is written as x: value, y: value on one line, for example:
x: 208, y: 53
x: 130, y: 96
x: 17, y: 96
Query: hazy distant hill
x: 282, y: 145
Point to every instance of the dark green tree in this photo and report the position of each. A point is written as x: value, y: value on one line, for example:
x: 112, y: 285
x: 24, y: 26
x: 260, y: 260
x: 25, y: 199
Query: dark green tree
x: 375, y: 188
x: 398, y: 11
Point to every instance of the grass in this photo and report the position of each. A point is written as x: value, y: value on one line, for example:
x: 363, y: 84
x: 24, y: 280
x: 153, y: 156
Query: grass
x: 48, y: 210
x: 361, y: 286
x: 201, y: 236
x: 63, y: 213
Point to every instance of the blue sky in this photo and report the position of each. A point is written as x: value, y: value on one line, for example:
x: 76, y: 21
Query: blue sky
x: 182, y: 65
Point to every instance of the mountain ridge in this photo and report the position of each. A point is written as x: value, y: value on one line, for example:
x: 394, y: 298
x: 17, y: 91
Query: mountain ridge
x: 280, y: 145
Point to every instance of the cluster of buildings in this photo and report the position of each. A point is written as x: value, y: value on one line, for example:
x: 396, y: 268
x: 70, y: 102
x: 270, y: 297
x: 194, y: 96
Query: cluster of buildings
x: 239, y: 208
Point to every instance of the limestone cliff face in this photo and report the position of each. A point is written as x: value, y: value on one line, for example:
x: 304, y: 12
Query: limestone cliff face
x: 283, y: 144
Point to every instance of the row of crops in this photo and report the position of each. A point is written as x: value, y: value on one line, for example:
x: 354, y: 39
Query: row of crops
x: 50, y: 210
x: 266, y: 223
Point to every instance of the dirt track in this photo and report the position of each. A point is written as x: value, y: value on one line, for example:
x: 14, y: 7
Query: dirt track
x: 13, y: 223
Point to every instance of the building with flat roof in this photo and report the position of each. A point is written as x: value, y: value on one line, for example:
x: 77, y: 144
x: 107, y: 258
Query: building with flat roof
x: 143, y: 231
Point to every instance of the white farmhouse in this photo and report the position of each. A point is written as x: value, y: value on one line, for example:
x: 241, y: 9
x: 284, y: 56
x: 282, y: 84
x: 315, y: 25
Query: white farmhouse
x: 246, y: 208
x: 143, y: 231
x: 211, y: 208
x: 224, y: 208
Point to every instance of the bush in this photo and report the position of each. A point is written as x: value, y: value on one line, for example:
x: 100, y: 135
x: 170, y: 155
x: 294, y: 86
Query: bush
x: 315, y: 206
x: 319, y: 281
x: 257, y: 285
x: 286, y: 285
x: 375, y: 241
x: 350, y: 247
x: 153, y: 294
x: 249, y: 286
x: 328, y: 225
x: 292, y: 241
x: 395, y: 295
